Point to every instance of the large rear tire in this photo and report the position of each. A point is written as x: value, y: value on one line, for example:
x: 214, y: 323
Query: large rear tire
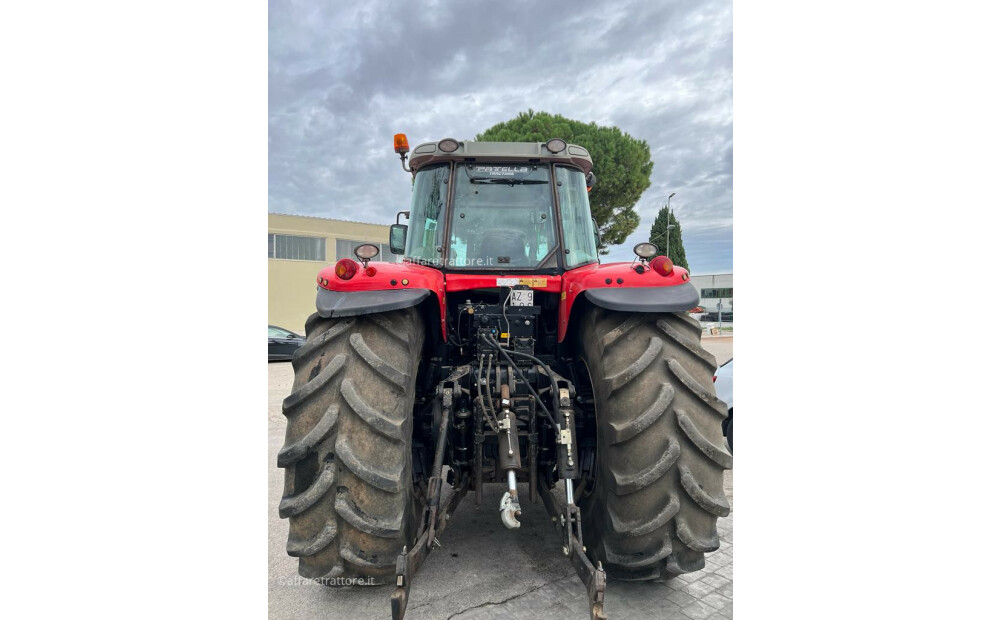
x: 347, y: 455
x: 659, y: 487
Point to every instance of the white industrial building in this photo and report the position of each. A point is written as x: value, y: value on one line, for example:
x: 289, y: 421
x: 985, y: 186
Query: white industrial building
x: 716, y: 293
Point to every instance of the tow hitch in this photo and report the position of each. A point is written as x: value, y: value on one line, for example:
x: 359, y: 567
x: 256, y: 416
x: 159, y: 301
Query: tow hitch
x: 568, y: 523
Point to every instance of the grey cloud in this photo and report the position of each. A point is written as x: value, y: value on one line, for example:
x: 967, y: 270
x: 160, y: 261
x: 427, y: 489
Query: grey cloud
x: 343, y: 78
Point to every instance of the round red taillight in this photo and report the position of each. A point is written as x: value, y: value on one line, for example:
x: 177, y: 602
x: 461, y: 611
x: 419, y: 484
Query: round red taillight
x: 346, y: 268
x: 370, y: 272
x: 662, y: 265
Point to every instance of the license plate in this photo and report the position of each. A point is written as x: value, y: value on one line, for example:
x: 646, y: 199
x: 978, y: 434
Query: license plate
x: 522, y: 298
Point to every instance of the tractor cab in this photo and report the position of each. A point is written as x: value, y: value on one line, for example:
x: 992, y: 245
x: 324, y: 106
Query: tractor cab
x: 498, y: 207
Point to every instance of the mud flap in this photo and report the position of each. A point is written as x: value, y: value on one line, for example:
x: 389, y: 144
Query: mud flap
x: 354, y: 303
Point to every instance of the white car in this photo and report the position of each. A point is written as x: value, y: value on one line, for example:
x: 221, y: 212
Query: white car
x: 723, y: 379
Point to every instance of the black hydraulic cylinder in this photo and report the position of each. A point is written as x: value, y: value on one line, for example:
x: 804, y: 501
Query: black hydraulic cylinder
x: 509, y: 445
x: 568, y: 462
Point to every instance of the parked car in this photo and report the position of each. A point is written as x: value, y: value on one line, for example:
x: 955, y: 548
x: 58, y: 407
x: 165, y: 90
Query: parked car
x: 281, y: 343
x: 723, y: 380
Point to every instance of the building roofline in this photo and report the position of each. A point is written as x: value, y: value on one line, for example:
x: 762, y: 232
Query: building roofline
x: 331, y: 219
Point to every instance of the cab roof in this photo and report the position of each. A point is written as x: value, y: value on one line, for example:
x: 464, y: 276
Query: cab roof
x: 430, y: 153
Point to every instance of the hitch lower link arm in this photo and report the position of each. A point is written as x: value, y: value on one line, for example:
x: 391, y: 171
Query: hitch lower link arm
x: 433, y: 521
x: 570, y: 525
x: 570, y: 522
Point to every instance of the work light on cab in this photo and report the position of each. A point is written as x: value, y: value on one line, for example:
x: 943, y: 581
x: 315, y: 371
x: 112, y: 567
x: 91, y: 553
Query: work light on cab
x: 345, y: 269
x: 365, y: 252
x: 555, y: 145
x: 645, y: 251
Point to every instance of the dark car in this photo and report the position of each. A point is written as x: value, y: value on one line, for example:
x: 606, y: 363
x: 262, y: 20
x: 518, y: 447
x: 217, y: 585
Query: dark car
x: 281, y: 343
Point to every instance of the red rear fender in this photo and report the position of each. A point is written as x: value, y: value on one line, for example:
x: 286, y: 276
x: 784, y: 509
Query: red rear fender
x: 387, y: 277
x: 619, y: 286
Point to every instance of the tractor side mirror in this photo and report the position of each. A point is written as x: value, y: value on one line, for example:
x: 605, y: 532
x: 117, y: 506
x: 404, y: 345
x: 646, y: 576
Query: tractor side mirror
x: 397, y: 238
x: 597, y: 232
x: 591, y: 181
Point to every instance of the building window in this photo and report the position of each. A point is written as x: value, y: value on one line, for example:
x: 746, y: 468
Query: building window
x: 296, y: 248
x: 345, y: 249
x: 716, y: 293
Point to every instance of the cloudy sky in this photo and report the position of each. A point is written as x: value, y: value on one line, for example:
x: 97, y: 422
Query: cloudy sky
x: 344, y: 77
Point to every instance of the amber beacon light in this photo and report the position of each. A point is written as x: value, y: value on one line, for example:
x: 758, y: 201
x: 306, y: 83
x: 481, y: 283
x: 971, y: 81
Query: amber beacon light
x: 400, y: 144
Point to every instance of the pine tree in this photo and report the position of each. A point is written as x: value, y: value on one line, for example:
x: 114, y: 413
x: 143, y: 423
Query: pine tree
x: 658, y: 236
x: 622, y: 165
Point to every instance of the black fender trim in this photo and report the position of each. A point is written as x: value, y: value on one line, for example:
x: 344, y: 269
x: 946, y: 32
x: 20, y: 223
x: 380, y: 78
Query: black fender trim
x: 354, y: 303
x: 646, y: 298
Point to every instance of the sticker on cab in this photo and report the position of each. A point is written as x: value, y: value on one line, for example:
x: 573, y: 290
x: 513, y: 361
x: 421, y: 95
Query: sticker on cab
x: 532, y: 282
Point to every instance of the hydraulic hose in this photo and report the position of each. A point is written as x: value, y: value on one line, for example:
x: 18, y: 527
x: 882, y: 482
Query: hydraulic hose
x: 490, y: 409
x: 496, y: 345
x: 554, y: 390
x: 548, y: 370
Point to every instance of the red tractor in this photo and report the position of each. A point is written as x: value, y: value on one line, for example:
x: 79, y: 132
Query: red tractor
x: 500, y: 350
